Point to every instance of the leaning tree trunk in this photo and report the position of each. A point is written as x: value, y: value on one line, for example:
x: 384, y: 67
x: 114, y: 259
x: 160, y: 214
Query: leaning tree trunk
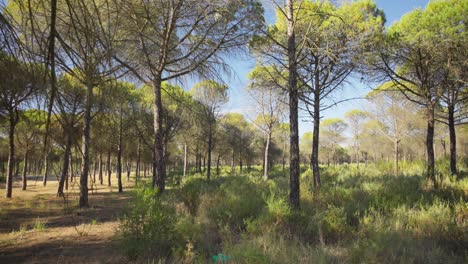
x: 315, y: 140
x: 65, y: 168
x: 158, y: 160
x: 294, y: 195
x: 266, y: 156
x: 11, y: 156
x: 25, y: 170
x: 86, y: 147
x: 453, y: 140
x: 430, y: 146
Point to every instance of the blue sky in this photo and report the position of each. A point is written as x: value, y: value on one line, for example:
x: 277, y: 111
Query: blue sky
x: 243, y: 64
x: 240, y: 102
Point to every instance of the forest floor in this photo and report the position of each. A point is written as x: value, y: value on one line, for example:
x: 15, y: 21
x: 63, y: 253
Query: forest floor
x: 38, y: 227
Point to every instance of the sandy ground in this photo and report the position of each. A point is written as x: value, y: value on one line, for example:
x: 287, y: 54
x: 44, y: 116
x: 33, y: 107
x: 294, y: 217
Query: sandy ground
x: 38, y: 227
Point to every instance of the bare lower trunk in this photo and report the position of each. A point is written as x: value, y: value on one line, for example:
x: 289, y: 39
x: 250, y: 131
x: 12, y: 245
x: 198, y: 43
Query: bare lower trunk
x: 119, y: 156
x: 315, y: 142
x: 396, y: 143
x: 185, y: 159
x: 11, y: 156
x: 109, y: 170
x: 100, y: 169
x: 210, y: 146
x: 430, y: 147
x: 46, y: 168
x: 266, y: 158
x: 138, y: 164
x: 86, y: 147
x: 159, y: 160
x: 453, y: 141
x: 65, y: 168
x: 25, y: 170
x: 294, y: 195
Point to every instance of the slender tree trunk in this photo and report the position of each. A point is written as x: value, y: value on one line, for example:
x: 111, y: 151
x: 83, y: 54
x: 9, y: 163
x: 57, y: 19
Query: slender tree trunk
x: 11, y: 156
x: 46, y: 167
x: 100, y: 169
x: 108, y: 167
x: 138, y: 165
x: 95, y: 167
x: 86, y: 147
x: 232, y: 162
x: 217, y: 164
x: 65, y: 168
x: 294, y: 195
x: 315, y: 140
x: 158, y: 137
x: 430, y: 146
x: 266, y: 156
x: 210, y: 143
x: 119, y: 155
x: 25, y: 170
x: 453, y: 141
x: 129, y: 168
x: 185, y: 159
x: 396, y: 143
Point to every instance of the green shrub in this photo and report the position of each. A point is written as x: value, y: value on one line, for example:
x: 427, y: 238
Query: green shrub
x: 148, y: 227
x: 237, y: 199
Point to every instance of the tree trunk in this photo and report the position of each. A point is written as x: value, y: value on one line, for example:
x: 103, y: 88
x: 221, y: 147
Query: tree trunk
x: 266, y: 156
x: 294, y: 195
x: 430, y: 147
x: 396, y: 143
x: 315, y: 141
x: 119, y: 155
x: 138, y: 165
x: 129, y: 168
x: 65, y: 168
x: 232, y: 162
x: 108, y: 167
x: 185, y: 159
x: 11, y: 156
x: 46, y: 168
x: 210, y: 143
x: 453, y: 141
x: 217, y: 164
x: 25, y: 170
x: 158, y: 137
x: 100, y: 169
x: 86, y: 147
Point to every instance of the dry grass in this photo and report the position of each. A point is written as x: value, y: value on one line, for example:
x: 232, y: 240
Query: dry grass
x: 38, y: 227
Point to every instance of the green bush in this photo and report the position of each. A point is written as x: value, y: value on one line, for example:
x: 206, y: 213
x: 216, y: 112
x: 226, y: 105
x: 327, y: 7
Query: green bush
x: 236, y: 199
x: 148, y: 227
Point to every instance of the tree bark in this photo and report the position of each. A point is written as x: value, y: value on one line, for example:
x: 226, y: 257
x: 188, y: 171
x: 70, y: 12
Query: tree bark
x: 453, y: 140
x: 158, y: 159
x: 86, y: 147
x: 11, y: 155
x: 396, y: 147
x: 185, y: 159
x: 108, y: 167
x: 119, y: 155
x: 266, y: 156
x: 25, y: 170
x: 315, y: 141
x: 65, y: 168
x: 210, y: 143
x: 46, y: 167
x: 430, y: 146
x: 138, y: 168
x: 100, y: 169
x: 294, y: 195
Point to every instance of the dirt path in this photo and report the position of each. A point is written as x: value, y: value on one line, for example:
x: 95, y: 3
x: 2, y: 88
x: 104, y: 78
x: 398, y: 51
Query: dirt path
x: 37, y: 227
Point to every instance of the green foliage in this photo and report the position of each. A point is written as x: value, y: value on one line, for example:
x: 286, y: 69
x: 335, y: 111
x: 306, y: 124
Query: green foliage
x: 148, y: 227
